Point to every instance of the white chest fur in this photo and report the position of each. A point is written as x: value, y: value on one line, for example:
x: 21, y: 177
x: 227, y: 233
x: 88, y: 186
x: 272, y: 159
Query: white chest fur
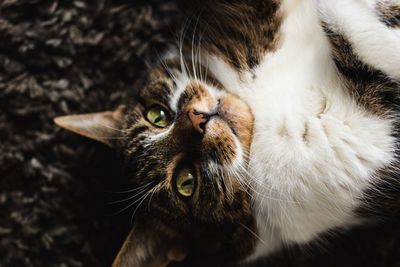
x: 314, y: 149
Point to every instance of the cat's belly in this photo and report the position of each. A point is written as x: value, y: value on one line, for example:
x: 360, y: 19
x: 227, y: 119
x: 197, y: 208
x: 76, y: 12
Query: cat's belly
x: 314, y: 150
x: 309, y: 175
x: 311, y: 160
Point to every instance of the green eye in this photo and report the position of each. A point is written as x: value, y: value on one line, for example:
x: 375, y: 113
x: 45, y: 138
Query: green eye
x: 158, y: 117
x: 185, y: 182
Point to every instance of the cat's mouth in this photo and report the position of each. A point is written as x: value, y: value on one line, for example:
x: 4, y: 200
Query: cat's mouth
x: 217, y: 124
x: 227, y: 113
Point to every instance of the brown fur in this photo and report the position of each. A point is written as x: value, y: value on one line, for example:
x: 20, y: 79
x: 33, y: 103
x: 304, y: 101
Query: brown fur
x: 240, y: 32
x: 389, y: 13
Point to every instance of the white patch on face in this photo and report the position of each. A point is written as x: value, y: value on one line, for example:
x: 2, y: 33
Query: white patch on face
x: 238, y: 162
x: 235, y: 170
x: 377, y: 44
x: 151, y: 139
x: 314, y: 150
x: 181, y: 80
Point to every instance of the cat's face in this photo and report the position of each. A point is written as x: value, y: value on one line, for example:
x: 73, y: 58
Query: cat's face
x: 186, y: 144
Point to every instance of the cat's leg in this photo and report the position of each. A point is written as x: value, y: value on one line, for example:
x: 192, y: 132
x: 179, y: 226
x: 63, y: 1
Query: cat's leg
x: 371, y: 27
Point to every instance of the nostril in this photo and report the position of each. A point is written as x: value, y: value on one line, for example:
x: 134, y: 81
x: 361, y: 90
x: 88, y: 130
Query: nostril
x: 203, y: 124
x: 199, y: 120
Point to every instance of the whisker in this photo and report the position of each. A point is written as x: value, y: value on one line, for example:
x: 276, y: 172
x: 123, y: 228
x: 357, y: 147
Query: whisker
x: 163, y: 62
x: 242, y: 180
x: 184, y: 67
x: 130, y: 205
x: 133, y: 203
x: 153, y: 191
x: 134, y: 189
x: 112, y: 128
x: 253, y: 233
x: 140, y: 203
x: 126, y: 199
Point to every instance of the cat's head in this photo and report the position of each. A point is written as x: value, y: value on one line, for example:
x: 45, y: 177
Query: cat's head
x: 186, y: 143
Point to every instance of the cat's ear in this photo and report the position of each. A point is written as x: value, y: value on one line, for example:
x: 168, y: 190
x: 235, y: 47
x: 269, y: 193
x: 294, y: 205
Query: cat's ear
x: 101, y: 126
x: 145, y: 247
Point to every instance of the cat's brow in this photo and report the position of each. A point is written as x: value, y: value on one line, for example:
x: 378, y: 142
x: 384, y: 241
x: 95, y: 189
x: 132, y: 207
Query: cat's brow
x: 159, y: 93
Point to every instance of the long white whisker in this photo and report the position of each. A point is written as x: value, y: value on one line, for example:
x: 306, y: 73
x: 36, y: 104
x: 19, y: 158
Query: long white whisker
x: 134, y: 189
x: 153, y: 191
x: 130, y: 205
x: 253, y: 233
x: 192, y: 53
x: 140, y: 203
x: 184, y: 68
x: 133, y: 196
x: 246, y: 184
x: 112, y: 128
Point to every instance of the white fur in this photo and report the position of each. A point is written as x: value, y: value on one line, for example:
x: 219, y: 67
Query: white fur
x: 308, y: 185
x: 376, y: 44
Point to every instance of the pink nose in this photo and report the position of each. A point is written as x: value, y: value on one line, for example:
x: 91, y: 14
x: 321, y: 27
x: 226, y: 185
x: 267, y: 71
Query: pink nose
x: 199, y: 120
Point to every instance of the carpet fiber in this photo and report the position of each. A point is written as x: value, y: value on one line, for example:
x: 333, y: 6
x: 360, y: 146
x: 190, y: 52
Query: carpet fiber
x: 62, y: 57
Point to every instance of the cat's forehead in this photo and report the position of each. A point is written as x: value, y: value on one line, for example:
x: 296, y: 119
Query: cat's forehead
x: 169, y: 85
x: 159, y: 84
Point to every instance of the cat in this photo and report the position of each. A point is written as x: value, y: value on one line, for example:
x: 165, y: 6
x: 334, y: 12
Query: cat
x: 270, y: 123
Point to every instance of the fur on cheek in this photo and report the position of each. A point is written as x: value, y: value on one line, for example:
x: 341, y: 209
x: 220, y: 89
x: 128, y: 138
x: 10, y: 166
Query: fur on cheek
x: 239, y: 117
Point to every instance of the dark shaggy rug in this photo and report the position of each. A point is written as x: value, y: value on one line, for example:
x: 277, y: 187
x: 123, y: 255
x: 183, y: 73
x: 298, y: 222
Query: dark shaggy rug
x: 59, y: 57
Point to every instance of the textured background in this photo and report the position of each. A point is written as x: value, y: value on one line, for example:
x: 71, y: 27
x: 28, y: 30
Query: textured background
x: 62, y: 57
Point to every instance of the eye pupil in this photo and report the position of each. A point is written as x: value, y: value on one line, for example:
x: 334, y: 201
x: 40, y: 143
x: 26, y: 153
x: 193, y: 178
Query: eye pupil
x: 187, y: 183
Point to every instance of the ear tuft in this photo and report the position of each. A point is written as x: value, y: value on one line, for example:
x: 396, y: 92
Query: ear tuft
x: 101, y: 126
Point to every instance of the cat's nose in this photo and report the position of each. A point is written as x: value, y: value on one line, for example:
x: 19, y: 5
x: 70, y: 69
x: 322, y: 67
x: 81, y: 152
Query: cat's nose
x: 199, y: 120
